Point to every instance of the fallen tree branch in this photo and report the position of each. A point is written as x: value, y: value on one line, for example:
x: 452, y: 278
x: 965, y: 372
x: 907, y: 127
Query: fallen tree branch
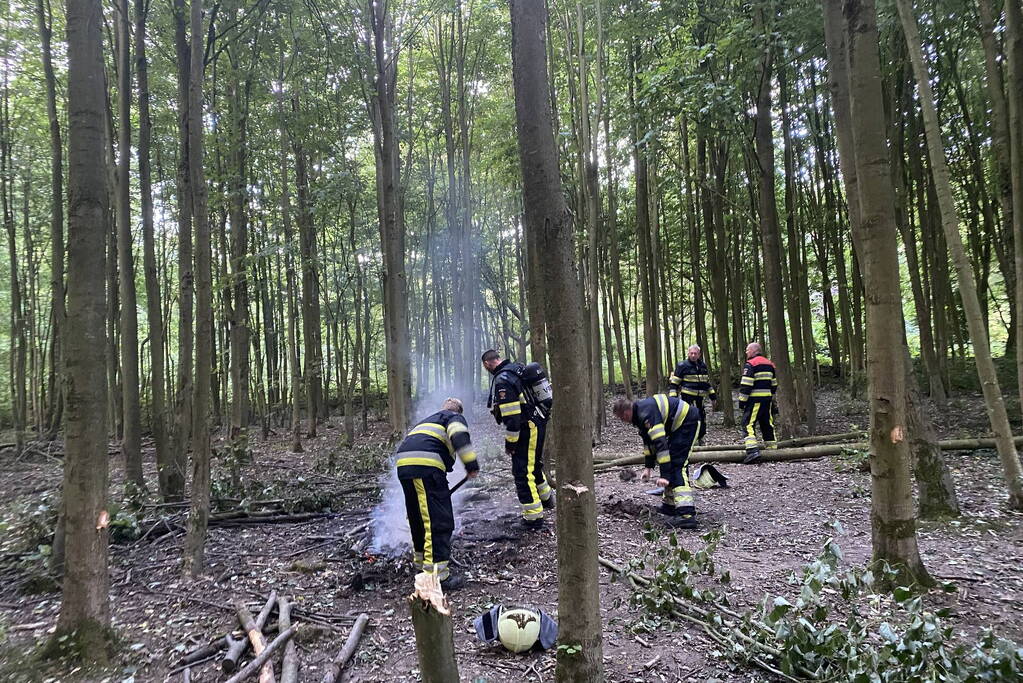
x: 703, y: 620
x: 351, y: 644
x: 264, y: 656
x: 805, y: 452
x: 236, y: 648
x: 289, y: 666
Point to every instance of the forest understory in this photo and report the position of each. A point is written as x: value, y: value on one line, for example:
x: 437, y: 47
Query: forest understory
x: 776, y: 518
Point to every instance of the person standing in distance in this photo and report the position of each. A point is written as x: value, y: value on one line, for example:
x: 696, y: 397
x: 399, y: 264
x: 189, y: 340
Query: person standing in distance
x: 757, y: 388
x: 691, y: 383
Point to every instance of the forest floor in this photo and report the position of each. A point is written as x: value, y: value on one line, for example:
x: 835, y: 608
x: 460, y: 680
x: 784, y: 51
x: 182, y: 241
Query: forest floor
x: 778, y: 516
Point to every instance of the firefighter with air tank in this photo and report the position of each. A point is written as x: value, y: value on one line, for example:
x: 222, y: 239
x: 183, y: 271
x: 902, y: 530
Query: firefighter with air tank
x: 520, y: 399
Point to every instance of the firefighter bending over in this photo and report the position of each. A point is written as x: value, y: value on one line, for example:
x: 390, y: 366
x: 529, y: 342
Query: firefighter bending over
x: 424, y: 458
x: 691, y: 383
x: 756, y: 400
x: 668, y: 427
x: 525, y: 422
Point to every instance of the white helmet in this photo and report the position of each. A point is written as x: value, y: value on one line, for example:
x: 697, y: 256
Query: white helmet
x: 518, y: 629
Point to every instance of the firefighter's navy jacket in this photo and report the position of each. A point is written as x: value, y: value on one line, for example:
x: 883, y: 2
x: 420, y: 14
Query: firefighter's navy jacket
x: 656, y: 418
x: 508, y: 400
x: 759, y: 381
x: 434, y: 443
x: 690, y: 379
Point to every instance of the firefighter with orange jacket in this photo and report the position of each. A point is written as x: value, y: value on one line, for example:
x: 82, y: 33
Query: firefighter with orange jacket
x: 757, y: 388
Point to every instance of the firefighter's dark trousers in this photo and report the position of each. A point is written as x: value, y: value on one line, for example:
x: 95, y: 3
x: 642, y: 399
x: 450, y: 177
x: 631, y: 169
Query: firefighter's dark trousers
x: 698, y: 402
x: 527, y: 467
x: 758, y: 412
x: 678, y: 494
x: 431, y: 520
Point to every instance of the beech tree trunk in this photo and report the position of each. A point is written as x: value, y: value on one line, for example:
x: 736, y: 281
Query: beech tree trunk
x: 131, y: 442
x: 547, y: 215
x: 154, y: 314
x: 55, y: 380
x: 199, y: 510
x: 997, y: 414
x: 85, y: 606
x: 182, y: 432
x: 392, y: 225
x: 856, y: 70
x: 1014, y: 94
x: 771, y: 240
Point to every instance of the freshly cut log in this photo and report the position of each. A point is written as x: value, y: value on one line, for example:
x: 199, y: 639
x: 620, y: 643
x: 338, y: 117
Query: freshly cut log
x: 805, y: 452
x: 435, y: 636
x: 351, y: 644
x: 264, y: 656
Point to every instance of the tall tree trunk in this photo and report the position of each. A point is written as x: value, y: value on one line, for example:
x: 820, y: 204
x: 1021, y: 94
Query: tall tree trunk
x: 547, y: 215
x: 771, y: 240
x: 154, y: 314
x: 85, y: 606
x: 997, y: 414
x: 295, y: 421
x: 647, y: 274
x: 1014, y: 94
x: 182, y: 430
x: 238, y: 105
x: 19, y: 343
x: 803, y: 388
x: 855, y: 67
x: 55, y: 380
x: 392, y: 225
x: 131, y: 443
x: 199, y: 510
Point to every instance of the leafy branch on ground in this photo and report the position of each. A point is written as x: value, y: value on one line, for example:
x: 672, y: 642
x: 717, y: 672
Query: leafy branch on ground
x: 840, y: 627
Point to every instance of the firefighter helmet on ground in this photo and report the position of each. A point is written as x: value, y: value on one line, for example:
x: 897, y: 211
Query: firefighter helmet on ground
x: 518, y: 629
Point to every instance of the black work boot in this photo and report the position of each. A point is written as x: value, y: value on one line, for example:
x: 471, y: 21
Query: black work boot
x: 683, y: 522
x: 752, y: 455
x: 534, y: 524
x: 454, y: 582
x: 549, y: 503
x: 669, y: 510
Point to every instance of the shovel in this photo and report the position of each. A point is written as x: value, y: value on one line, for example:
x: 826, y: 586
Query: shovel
x: 459, y: 484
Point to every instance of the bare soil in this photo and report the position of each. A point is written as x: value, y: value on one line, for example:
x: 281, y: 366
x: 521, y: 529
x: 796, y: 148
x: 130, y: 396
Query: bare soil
x: 777, y: 517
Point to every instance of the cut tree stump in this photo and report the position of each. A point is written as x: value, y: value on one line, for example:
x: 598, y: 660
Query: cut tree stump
x: 435, y: 636
x: 351, y: 644
x: 804, y: 453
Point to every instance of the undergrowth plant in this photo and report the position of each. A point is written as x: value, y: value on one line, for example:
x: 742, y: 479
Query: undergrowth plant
x: 841, y: 626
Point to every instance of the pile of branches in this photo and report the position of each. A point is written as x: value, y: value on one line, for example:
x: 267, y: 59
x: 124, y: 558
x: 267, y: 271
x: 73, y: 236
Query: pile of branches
x: 250, y: 642
x: 851, y: 624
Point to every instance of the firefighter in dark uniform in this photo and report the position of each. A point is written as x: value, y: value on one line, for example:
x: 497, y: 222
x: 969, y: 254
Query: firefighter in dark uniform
x: 691, y: 383
x: 524, y: 436
x: 668, y: 427
x: 423, y: 459
x: 756, y: 400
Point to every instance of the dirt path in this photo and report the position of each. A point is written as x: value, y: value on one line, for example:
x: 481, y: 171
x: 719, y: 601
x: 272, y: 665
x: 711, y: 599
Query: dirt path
x: 777, y: 516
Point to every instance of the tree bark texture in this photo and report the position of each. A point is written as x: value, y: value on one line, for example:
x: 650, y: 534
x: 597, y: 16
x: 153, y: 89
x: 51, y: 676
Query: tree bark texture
x: 892, y: 515
x: 199, y: 510
x: 85, y: 607
x: 547, y: 215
